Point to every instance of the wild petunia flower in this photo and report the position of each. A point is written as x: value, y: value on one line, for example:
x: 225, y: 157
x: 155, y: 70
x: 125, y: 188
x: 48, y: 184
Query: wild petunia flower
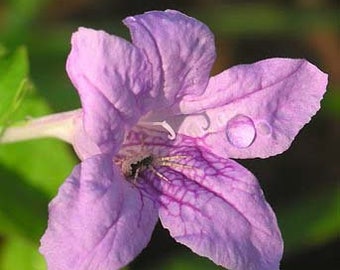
x: 157, y: 136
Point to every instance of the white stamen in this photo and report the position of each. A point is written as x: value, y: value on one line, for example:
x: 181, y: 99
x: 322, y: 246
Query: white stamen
x: 164, y: 124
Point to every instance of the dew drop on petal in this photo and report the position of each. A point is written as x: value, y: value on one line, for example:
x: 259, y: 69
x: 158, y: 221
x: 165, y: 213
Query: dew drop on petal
x: 241, y: 131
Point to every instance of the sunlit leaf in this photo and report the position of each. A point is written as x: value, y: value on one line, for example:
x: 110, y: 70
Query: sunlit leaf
x: 30, y: 175
x: 14, y: 83
x: 44, y: 162
x: 21, y: 254
x: 30, y: 172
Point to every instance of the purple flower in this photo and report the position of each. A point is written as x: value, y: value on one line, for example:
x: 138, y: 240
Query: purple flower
x: 156, y: 136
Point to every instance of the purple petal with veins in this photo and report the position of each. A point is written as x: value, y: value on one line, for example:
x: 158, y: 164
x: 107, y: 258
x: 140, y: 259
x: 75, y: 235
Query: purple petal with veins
x: 215, y: 207
x: 97, y: 220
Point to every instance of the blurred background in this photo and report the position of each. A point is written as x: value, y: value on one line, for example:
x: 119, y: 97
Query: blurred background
x: 302, y: 185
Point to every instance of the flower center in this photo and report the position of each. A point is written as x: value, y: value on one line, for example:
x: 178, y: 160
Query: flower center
x: 133, y: 166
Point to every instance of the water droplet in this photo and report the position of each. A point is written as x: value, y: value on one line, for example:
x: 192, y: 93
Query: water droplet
x: 241, y: 131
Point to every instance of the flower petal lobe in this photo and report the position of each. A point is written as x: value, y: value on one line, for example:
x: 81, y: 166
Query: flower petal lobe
x: 113, y: 79
x: 97, y: 220
x: 277, y: 97
x: 217, y: 208
x: 181, y: 50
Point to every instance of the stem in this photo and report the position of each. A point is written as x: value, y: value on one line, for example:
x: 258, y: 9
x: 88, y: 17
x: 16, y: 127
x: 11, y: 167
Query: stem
x: 59, y: 125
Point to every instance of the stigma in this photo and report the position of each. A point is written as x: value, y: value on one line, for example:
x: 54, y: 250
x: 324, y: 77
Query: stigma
x: 163, y: 124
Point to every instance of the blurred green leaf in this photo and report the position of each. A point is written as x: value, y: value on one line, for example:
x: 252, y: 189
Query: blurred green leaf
x: 188, y: 261
x: 331, y: 101
x: 44, y: 162
x: 40, y: 166
x: 52, y: 82
x: 21, y: 254
x: 30, y: 172
x: 311, y: 221
x: 23, y: 207
x: 3, y: 51
x: 254, y: 19
x: 26, y: 9
x: 18, y: 19
x: 13, y: 83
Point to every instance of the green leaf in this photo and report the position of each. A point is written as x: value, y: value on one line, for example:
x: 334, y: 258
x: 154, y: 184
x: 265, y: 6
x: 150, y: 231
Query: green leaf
x: 331, y: 101
x: 14, y: 83
x: 17, y: 19
x: 32, y: 171
x: 21, y: 254
x: 45, y: 162
x: 3, y: 51
x: 188, y: 261
x: 259, y: 19
x: 30, y: 174
x: 312, y: 221
x: 23, y: 207
x: 27, y: 10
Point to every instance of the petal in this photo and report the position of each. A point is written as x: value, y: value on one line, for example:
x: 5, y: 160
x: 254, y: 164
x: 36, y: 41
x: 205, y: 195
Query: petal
x: 113, y: 79
x: 97, y: 220
x: 217, y: 208
x: 254, y: 110
x: 180, y: 48
x: 82, y: 143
